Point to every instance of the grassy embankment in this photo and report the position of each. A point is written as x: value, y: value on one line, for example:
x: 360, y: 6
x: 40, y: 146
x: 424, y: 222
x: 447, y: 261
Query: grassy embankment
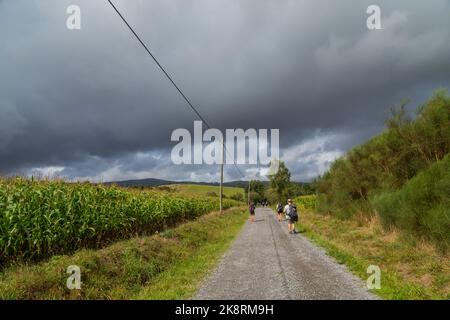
x: 170, y: 265
x: 401, y: 177
x: 387, y: 203
x: 408, y: 270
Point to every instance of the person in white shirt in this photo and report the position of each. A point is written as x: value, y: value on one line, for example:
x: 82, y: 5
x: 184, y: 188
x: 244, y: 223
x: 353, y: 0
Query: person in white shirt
x: 291, y: 212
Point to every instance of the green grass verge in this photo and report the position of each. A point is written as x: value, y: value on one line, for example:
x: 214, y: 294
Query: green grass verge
x: 170, y: 265
x: 408, y: 270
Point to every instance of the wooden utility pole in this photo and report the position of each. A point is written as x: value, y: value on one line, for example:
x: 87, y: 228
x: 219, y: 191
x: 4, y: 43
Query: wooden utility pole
x: 248, y: 193
x: 221, y: 179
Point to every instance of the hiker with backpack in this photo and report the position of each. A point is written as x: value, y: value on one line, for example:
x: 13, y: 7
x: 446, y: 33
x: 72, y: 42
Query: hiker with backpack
x: 291, y: 213
x: 251, y: 208
x: 280, y: 211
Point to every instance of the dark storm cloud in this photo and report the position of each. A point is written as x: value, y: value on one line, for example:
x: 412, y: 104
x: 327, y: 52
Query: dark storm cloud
x: 93, y: 104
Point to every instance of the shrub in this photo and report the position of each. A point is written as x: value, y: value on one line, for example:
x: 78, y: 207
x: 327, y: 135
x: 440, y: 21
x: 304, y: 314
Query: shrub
x: 422, y: 206
x: 237, y: 196
x: 388, y: 161
x: 212, y: 194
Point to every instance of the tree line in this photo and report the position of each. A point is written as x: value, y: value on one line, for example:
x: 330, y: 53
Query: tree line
x: 279, y: 187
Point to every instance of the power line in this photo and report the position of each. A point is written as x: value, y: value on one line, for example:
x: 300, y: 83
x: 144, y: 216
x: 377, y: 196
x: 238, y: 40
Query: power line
x: 159, y: 65
x: 170, y: 78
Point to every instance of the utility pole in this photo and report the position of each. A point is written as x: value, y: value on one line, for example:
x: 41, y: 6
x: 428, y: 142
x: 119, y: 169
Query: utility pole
x: 248, y: 193
x: 221, y: 179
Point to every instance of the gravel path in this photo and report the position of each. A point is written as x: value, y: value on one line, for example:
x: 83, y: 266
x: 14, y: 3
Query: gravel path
x: 266, y: 262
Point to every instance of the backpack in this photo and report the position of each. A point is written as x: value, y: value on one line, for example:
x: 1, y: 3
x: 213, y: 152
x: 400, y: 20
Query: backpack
x: 293, y: 212
x: 279, y: 207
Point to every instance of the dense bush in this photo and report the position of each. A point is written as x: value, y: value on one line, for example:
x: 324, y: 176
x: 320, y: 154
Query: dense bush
x: 39, y: 219
x: 387, y: 162
x: 422, y: 206
x: 237, y: 196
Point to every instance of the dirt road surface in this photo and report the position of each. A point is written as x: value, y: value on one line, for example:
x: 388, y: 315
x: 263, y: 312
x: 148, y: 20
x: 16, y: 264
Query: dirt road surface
x: 266, y: 262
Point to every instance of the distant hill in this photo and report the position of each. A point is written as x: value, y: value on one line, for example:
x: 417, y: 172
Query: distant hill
x: 151, y: 182
x: 148, y: 182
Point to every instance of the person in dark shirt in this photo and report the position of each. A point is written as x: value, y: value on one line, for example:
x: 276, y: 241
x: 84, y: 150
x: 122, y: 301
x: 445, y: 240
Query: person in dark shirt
x: 251, y: 208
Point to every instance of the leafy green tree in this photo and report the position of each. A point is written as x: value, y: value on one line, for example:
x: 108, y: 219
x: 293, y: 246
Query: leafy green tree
x: 270, y: 196
x: 296, y: 189
x: 257, y: 191
x: 280, y: 181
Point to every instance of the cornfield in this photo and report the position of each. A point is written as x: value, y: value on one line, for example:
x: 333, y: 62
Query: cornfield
x: 43, y: 218
x: 306, y: 202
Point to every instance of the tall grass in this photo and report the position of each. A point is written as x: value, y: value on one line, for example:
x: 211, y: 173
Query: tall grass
x: 42, y: 218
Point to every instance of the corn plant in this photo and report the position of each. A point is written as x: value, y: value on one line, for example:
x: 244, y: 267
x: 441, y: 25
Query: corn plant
x: 43, y: 218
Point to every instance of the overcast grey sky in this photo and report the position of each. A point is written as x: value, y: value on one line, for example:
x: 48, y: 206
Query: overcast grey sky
x: 90, y: 103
